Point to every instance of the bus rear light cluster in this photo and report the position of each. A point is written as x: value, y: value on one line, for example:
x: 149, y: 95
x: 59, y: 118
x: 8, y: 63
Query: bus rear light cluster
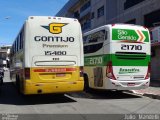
x: 113, y: 25
x: 145, y: 27
x: 148, y: 71
x: 109, y: 71
x: 27, y: 73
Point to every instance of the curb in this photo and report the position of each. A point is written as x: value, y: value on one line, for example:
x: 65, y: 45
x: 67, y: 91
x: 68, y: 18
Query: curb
x: 153, y: 96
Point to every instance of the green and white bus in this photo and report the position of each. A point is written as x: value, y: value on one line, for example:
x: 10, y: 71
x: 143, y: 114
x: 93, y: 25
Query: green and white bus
x: 117, y: 57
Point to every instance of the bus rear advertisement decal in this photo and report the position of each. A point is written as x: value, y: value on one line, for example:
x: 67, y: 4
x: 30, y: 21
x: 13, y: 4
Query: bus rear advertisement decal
x: 130, y: 35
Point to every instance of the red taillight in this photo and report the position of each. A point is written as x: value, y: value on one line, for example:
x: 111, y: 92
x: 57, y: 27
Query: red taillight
x: 145, y: 27
x: 113, y: 24
x: 109, y: 71
x: 27, y: 73
x: 148, y: 71
x: 81, y: 71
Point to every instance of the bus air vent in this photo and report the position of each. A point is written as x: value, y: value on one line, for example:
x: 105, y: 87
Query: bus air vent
x: 131, y: 55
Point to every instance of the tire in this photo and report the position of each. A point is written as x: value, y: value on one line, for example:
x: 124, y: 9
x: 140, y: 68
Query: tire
x: 18, y: 83
x: 1, y: 81
x: 86, y: 83
x: 119, y: 91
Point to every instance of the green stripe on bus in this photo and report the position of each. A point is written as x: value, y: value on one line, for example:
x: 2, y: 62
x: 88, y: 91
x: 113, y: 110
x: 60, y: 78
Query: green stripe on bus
x: 102, y: 60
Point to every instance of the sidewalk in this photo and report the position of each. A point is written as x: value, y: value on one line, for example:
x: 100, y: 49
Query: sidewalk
x: 153, y: 91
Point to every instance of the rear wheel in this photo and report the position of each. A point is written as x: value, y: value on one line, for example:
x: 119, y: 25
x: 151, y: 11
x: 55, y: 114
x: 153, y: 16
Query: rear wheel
x: 18, y: 83
x: 86, y: 83
x: 1, y: 81
x: 119, y: 91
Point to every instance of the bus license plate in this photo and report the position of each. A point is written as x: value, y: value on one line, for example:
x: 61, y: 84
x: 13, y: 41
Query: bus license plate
x: 60, y: 75
x: 131, y: 84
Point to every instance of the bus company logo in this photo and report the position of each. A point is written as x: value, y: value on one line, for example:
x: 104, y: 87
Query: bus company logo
x: 130, y: 36
x: 55, y: 28
x: 125, y: 71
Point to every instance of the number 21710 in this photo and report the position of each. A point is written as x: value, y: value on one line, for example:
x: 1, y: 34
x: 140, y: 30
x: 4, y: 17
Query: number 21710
x: 131, y: 47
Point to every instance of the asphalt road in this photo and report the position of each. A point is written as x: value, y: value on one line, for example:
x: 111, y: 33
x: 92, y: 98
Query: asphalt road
x: 84, y: 106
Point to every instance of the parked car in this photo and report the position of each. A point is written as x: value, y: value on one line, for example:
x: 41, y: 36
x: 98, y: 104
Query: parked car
x: 5, y: 69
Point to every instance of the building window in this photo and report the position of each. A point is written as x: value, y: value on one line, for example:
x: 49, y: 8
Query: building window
x: 92, y: 15
x: 130, y: 3
x: 17, y: 44
x: 76, y: 14
x: 151, y: 18
x: 15, y: 47
x: 100, y: 12
x: 86, y: 25
x: 85, y: 6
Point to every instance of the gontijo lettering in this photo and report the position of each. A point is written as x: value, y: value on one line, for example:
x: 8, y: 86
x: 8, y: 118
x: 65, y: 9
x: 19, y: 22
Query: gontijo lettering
x: 54, y: 39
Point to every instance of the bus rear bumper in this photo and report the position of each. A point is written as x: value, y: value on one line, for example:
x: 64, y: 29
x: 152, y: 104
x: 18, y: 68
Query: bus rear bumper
x: 48, y: 88
x: 127, y: 85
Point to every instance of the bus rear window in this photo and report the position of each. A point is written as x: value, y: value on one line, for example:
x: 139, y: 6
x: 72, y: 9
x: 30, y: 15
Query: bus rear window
x: 94, y: 37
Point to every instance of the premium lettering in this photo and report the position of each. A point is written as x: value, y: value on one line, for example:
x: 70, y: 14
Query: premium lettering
x: 54, y: 46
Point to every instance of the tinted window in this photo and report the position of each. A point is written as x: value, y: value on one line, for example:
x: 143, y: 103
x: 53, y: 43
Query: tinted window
x: 94, y: 37
x: 97, y: 39
x: 92, y: 48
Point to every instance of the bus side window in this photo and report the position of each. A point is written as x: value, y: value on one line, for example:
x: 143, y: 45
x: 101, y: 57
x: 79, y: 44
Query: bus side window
x: 106, y: 35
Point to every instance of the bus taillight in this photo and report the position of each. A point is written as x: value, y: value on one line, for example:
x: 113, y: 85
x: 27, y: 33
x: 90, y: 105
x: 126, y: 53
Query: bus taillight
x: 27, y: 73
x: 109, y: 71
x: 148, y: 71
x: 81, y: 71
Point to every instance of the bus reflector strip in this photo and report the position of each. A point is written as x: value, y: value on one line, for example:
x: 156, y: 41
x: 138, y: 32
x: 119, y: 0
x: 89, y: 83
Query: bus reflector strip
x: 56, y: 70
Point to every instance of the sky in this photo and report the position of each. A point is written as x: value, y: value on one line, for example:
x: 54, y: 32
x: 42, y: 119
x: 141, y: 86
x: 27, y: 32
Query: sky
x: 13, y: 14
